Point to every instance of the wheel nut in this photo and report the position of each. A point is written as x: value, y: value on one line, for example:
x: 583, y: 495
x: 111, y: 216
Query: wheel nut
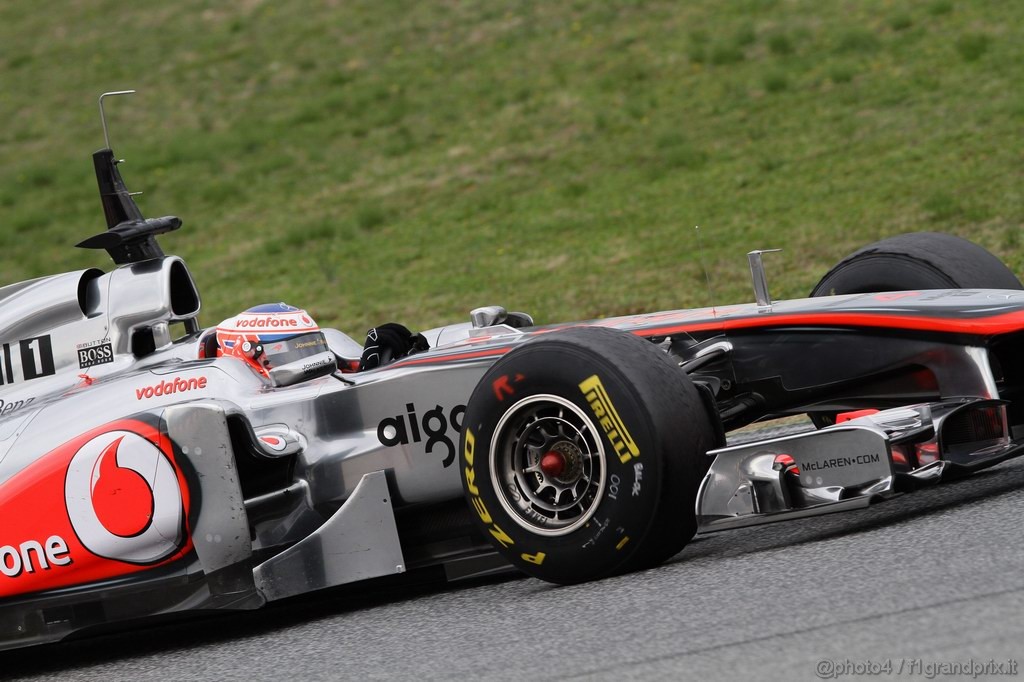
x: 552, y: 464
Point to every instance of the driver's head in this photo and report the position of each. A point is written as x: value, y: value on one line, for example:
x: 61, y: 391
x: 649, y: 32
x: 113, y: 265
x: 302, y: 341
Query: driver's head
x: 270, y: 335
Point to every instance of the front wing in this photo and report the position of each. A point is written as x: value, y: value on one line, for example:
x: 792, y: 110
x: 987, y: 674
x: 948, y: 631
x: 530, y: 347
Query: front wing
x: 851, y: 465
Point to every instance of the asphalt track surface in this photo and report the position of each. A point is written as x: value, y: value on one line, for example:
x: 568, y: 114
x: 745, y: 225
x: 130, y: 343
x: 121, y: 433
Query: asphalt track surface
x: 930, y: 578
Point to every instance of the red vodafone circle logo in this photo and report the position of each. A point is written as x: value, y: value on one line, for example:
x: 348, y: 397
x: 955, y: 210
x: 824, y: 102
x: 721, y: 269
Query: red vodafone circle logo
x: 124, y: 499
x: 275, y: 443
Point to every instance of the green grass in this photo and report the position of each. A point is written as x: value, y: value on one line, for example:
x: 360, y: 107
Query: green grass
x: 411, y: 160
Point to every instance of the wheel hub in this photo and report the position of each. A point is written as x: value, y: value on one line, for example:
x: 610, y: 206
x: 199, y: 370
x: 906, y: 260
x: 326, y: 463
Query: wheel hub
x: 548, y: 464
x: 552, y: 464
x: 563, y: 463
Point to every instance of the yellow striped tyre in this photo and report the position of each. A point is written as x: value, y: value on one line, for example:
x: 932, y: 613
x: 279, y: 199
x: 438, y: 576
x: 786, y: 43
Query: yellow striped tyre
x: 581, y: 455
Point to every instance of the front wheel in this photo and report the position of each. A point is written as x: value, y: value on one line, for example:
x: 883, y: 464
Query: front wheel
x: 917, y: 260
x: 913, y: 261
x: 582, y: 454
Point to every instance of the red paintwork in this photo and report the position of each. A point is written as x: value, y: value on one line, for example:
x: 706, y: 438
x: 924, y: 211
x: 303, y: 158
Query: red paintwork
x: 847, y: 416
x: 33, y: 508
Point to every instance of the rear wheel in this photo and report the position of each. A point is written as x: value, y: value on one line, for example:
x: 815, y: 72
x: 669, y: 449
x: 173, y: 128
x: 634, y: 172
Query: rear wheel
x: 582, y: 454
x: 914, y: 261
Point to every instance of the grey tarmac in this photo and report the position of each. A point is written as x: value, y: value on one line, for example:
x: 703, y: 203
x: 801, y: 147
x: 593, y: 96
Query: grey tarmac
x: 936, y: 576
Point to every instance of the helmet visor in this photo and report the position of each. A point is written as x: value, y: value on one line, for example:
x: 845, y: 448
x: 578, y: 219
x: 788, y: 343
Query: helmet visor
x: 281, y: 351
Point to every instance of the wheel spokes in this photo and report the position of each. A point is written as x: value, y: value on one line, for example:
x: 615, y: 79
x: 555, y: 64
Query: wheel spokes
x: 551, y: 466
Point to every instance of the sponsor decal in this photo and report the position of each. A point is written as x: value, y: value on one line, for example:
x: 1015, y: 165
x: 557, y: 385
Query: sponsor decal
x: 311, y: 367
x: 266, y: 323
x: 318, y: 341
x: 123, y: 499
x: 275, y: 443
x: 96, y: 353
x: 34, y: 356
x: 16, y: 560
x: 170, y: 387
x: 434, y: 424
x: 279, y: 322
x: 8, y: 406
x: 474, y: 493
x: 107, y: 503
x: 608, y: 417
x: 840, y: 462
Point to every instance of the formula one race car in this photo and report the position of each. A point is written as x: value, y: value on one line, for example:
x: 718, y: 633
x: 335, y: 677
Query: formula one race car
x: 142, y: 474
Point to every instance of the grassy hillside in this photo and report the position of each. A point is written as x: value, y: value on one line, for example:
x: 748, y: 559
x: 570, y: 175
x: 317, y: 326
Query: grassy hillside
x: 408, y: 161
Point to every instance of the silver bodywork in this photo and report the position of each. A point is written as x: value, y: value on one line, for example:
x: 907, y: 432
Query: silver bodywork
x: 350, y: 451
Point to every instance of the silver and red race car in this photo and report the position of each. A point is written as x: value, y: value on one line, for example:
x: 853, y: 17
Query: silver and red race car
x: 142, y: 474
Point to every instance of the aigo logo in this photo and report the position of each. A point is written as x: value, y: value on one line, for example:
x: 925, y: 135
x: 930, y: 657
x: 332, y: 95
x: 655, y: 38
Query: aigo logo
x: 124, y: 498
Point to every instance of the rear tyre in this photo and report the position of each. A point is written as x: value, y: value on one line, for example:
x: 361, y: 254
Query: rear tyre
x: 913, y: 261
x: 582, y: 452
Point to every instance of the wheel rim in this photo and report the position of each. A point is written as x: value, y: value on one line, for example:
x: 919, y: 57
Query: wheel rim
x: 548, y: 465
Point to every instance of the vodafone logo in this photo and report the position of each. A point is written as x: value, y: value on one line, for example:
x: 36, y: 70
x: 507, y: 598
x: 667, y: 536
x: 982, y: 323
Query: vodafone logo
x: 124, y: 500
x: 275, y: 443
x: 282, y: 322
x: 266, y: 323
x: 170, y: 387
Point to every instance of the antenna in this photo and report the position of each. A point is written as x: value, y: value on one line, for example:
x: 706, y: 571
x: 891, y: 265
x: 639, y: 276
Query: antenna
x: 103, y: 117
x: 759, y: 279
x: 707, y: 274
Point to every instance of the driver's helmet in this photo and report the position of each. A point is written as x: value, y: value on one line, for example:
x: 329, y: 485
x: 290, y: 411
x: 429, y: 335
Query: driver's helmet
x: 270, y: 335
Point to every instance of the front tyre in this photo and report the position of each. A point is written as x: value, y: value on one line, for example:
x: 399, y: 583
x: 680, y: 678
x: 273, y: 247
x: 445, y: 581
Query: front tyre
x: 917, y: 260
x: 913, y: 261
x: 582, y: 453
